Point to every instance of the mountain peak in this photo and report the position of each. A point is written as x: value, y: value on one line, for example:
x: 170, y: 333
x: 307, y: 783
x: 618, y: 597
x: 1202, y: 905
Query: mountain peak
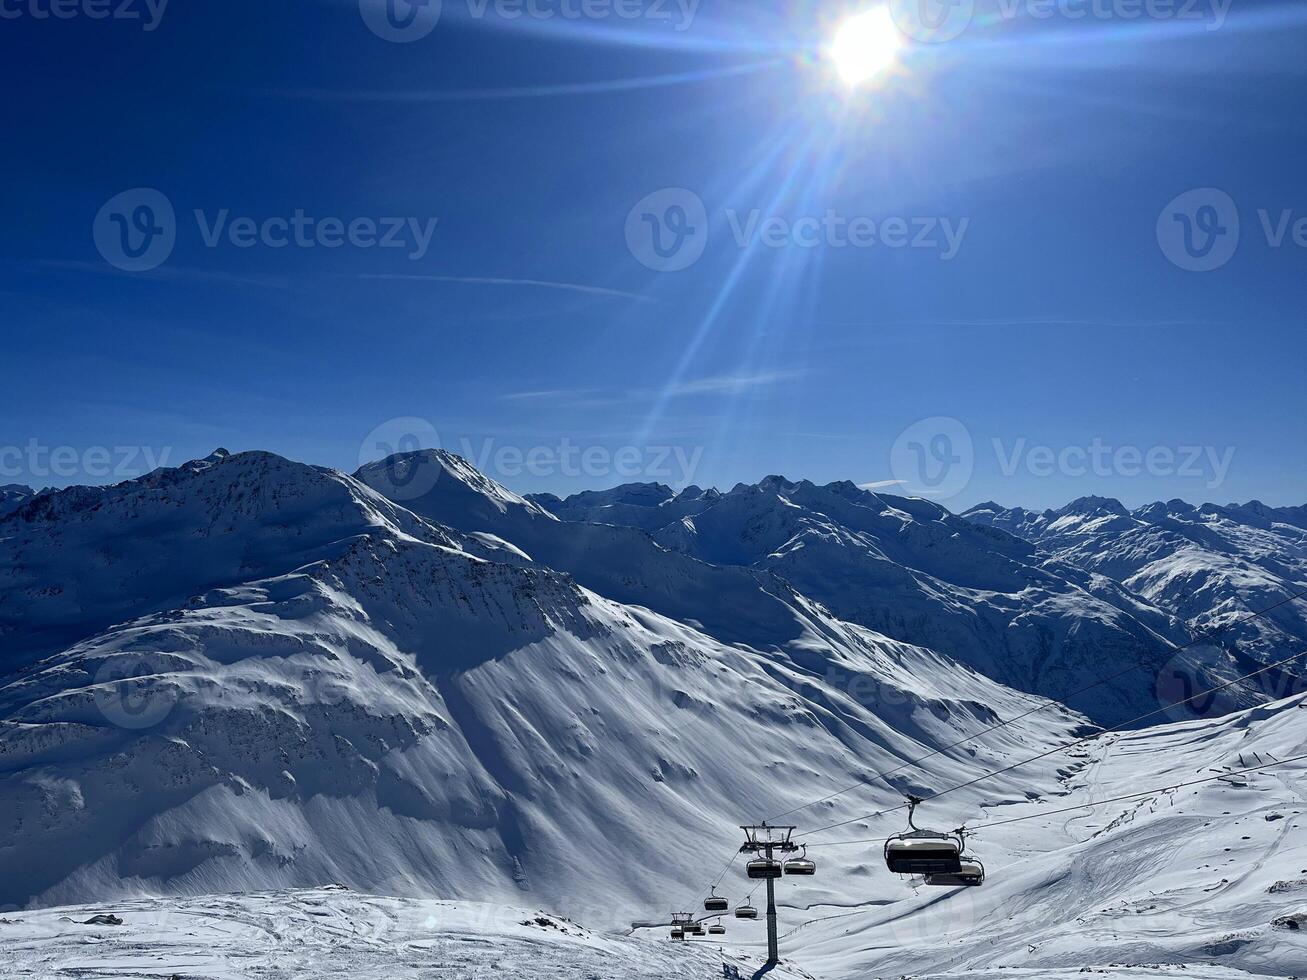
x: 1093, y: 506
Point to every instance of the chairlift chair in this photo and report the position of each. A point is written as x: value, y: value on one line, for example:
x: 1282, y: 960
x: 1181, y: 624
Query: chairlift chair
x: 764, y: 868
x: 801, y: 865
x: 923, y: 852
x: 746, y: 911
x: 694, y: 929
x: 715, y: 903
x: 970, y: 875
x: 678, y: 933
x: 717, y: 930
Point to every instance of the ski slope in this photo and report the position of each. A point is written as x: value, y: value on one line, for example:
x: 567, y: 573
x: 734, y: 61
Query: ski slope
x: 250, y: 678
x: 1208, y: 880
x: 332, y: 932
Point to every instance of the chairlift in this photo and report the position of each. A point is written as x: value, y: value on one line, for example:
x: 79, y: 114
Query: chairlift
x: 764, y: 868
x: 678, y: 933
x: 971, y: 874
x: 717, y: 930
x: 715, y: 903
x: 694, y: 929
x: 801, y: 865
x: 746, y: 911
x: 923, y: 852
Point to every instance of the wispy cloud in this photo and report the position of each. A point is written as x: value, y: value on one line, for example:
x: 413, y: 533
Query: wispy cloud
x: 549, y: 395
x: 881, y: 484
x: 571, y: 287
x: 728, y: 384
x: 169, y: 273
x: 532, y: 92
x: 1029, y: 321
x: 717, y: 384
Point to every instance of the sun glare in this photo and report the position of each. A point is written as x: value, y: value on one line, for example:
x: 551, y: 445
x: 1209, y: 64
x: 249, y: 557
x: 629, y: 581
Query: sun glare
x: 864, y: 46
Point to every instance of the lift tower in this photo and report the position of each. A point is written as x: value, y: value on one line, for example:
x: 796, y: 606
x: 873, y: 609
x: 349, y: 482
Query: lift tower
x: 765, y: 841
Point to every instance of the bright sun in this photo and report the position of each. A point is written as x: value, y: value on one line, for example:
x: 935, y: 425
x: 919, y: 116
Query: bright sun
x: 865, y: 45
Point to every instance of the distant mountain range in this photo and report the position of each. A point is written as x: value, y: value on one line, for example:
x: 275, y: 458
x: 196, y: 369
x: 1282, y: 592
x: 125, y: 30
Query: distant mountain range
x: 247, y: 672
x: 1207, y: 565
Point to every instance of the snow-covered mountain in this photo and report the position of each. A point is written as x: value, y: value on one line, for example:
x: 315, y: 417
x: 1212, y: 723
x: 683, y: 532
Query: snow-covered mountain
x: 909, y: 569
x: 249, y: 674
x: 322, y: 686
x: 648, y: 506
x: 12, y: 495
x: 1209, y: 565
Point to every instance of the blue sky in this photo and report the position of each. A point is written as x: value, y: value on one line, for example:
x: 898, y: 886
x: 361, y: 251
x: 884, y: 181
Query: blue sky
x: 1040, y: 342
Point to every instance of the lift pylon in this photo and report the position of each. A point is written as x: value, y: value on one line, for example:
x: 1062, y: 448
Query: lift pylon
x: 766, y: 840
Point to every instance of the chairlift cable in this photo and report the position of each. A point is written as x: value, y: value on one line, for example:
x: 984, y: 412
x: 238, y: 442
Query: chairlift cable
x: 1081, y: 806
x: 1048, y: 704
x: 1069, y: 745
x: 1204, y: 635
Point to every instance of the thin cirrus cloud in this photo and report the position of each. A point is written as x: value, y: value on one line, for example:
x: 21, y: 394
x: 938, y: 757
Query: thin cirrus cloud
x: 717, y: 384
x: 526, y: 92
x: 571, y: 287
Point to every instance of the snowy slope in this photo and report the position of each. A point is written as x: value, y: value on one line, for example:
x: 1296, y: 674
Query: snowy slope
x: 404, y: 716
x: 1207, y: 880
x: 1208, y: 565
x: 75, y: 561
x: 621, y: 563
x: 13, y: 495
x: 333, y: 932
x: 648, y: 506
x: 910, y: 569
x: 455, y: 694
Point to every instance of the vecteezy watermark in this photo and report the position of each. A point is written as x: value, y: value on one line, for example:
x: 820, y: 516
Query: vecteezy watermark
x: 937, y: 21
x: 668, y: 230
x: 136, y: 231
x: 1208, y: 463
x: 388, y: 454
x: 37, y: 461
x: 934, y: 457
x: 937, y: 457
x: 1200, y: 230
x: 393, y: 461
x: 400, y: 21
x: 1195, y: 684
x: 131, y: 692
x: 673, y: 464
x: 403, y: 21
x: 148, y: 13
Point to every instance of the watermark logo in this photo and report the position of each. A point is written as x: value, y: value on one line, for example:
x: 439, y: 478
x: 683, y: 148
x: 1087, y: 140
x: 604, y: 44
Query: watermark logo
x: 667, y: 231
x: 404, y: 21
x: 130, y: 693
x: 936, y: 21
x: 932, y: 21
x: 136, y: 230
x: 1199, y: 230
x: 666, y: 463
x: 1193, y: 686
x: 937, y: 458
x: 400, y: 21
x: 934, y: 457
x: 383, y: 453
x: 148, y: 13
x: 938, y: 234
x: 1101, y: 459
x: 37, y: 461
